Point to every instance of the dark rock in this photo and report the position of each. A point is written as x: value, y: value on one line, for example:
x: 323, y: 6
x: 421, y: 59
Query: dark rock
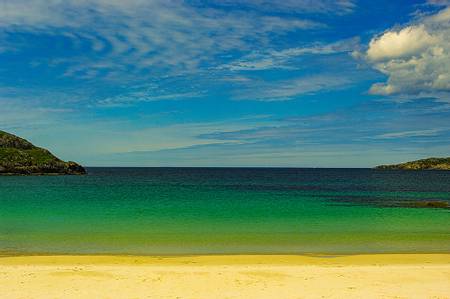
x: 75, y: 168
x: 429, y: 204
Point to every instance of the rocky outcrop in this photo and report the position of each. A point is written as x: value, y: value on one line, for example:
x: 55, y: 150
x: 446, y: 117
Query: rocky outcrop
x: 19, y: 156
x: 435, y: 204
x: 424, y: 164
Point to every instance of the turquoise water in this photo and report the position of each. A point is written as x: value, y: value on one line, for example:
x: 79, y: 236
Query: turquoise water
x: 211, y: 211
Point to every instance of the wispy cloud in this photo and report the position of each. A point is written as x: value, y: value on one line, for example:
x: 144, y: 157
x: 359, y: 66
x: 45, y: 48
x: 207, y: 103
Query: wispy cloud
x: 19, y: 115
x: 438, y: 2
x: 285, y: 90
x: 126, y: 37
x: 273, y: 59
x: 408, y: 134
x: 366, y: 135
x: 333, y: 7
x: 133, y: 98
x: 376, y: 121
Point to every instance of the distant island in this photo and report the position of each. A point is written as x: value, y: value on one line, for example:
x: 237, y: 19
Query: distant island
x: 423, y: 164
x: 19, y: 156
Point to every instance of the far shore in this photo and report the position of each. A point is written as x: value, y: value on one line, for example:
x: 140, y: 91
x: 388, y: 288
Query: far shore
x: 226, y: 276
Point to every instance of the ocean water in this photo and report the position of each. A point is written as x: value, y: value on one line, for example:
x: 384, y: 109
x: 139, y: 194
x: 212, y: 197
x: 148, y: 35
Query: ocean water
x: 164, y: 211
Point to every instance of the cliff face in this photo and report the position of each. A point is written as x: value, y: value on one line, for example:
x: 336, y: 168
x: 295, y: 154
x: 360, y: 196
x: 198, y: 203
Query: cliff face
x: 424, y: 164
x: 18, y: 156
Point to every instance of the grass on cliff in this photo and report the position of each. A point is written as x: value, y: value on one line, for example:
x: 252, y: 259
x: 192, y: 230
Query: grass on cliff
x: 19, y: 156
x: 18, y: 151
x: 34, y: 156
x: 430, y: 163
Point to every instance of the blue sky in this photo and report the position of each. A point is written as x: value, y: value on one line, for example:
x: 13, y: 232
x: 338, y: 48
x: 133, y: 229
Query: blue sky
x: 345, y: 83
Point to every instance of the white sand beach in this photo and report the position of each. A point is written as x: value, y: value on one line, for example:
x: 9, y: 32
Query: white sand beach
x: 239, y: 276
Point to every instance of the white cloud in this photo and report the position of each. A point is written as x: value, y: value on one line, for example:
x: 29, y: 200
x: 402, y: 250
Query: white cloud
x: 281, y: 58
x: 286, y: 90
x: 416, y: 58
x: 338, y: 7
x: 135, y: 97
x: 19, y: 115
x: 406, y: 43
x: 135, y: 36
x: 438, y: 2
x: 409, y: 134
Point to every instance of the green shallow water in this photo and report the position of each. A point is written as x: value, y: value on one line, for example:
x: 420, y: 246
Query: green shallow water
x: 211, y: 211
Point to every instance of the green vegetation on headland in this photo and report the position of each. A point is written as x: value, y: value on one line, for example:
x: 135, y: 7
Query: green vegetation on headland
x: 424, y: 164
x: 18, y: 156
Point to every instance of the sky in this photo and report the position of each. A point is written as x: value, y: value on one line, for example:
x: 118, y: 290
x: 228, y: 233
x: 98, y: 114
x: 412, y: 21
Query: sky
x: 293, y: 83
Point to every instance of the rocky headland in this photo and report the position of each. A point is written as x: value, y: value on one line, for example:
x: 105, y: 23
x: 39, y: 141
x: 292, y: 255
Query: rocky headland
x: 423, y: 164
x: 20, y: 157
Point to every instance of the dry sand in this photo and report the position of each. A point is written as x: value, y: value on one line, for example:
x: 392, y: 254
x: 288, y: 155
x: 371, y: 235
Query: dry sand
x: 198, y: 277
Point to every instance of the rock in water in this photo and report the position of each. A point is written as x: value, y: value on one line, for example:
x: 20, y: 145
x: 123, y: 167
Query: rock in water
x: 19, y: 156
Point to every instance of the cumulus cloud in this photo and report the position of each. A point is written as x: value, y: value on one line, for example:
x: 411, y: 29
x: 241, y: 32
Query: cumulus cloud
x: 415, y: 59
x: 407, y: 42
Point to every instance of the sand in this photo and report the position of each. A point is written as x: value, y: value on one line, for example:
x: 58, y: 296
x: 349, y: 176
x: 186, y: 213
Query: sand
x: 255, y: 276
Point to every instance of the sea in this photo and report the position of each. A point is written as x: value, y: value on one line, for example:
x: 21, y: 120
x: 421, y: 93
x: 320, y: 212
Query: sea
x: 197, y: 211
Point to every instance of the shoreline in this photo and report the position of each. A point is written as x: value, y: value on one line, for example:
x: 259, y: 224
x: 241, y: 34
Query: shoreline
x: 306, y: 258
x: 226, y: 276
